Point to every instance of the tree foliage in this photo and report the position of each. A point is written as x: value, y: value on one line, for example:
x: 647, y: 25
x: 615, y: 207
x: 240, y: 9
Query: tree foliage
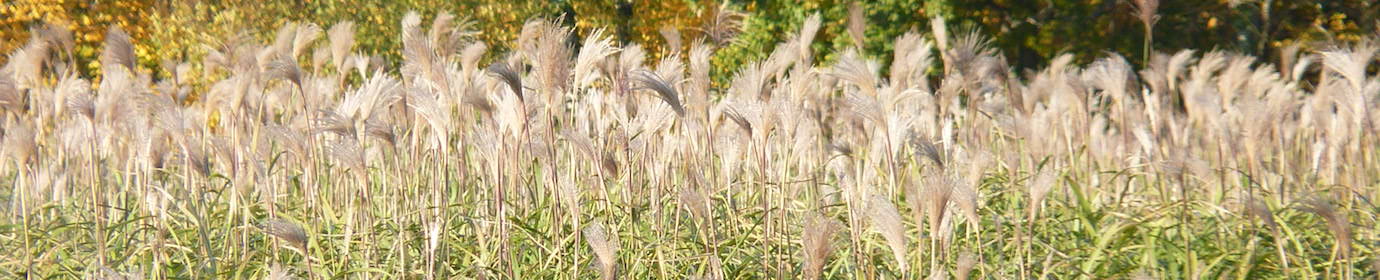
x: 1027, y: 32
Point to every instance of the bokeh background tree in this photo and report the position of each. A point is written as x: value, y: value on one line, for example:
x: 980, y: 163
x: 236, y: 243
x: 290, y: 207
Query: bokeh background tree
x: 1026, y: 32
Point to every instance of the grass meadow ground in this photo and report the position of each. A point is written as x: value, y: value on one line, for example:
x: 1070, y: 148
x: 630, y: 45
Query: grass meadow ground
x: 580, y: 158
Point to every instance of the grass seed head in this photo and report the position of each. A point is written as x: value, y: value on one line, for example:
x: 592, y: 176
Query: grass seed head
x: 605, y: 247
x: 1336, y: 222
x: 816, y: 241
x: 966, y: 262
x: 287, y: 231
x: 887, y: 221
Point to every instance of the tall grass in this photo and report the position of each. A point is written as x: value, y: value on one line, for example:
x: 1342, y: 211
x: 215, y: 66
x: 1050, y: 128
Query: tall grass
x: 302, y: 158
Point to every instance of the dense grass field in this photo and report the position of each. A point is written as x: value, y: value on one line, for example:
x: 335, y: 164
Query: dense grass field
x: 580, y: 158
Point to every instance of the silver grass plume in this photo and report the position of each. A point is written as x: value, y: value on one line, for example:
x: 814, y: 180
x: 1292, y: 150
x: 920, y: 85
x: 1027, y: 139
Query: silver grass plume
x: 1255, y: 208
x: 808, y: 30
x: 733, y: 114
x: 1146, y: 11
x: 940, y: 29
x: 1179, y: 63
x: 672, y: 36
x: 10, y: 99
x: 939, y: 186
x: 695, y: 203
x: 26, y: 64
x: 281, y: 44
x: 440, y: 30
x: 859, y: 71
x: 347, y: 152
x: 106, y: 273
x: 438, y: 116
x: 1337, y: 223
x: 1111, y: 74
x: 965, y: 196
x: 697, y: 94
x: 421, y: 61
x: 550, y: 57
x: 509, y: 76
x: 57, y: 36
x: 81, y: 102
x: 119, y: 49
x: 1040, y: 187
x: 470, y: 55
x: 362, y: 105
x: 722, y: 24
x: 19, y: 143
x: 966, y: 262
x: 285, y: 68
x: 277, y: 272
x: 924, y: 148
x: 816, y: 240
x: 605, y: 247
x: 964, y: 54
x: 596, y: 49
x: 446, y: 33
x: 913, y: 55
x: 342, y: 39
x: 293, y: 140
x: 664, y: 91
x: 887, y: 221
x: 119, y: 98
x: 286, y: 230
x: 305, y: 35
x: 857, y: 24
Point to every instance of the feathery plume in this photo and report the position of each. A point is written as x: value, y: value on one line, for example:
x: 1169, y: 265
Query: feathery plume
x: 509, y: 76
x: 445, y: 33
x: 10, y: 99
x: 348, y: 153
x: 106, y: 273
x: 808, y: 30
x: 285, y: 68
x: 887, y: 221
x: 56, y: 35
x: 857, y: 23
x: 815, y: 240
x: 938, y: 190
x: 966, y: 198
x: 286, y: 230
x: 605, y: 246
x: 550, y: 57
x: 1040, y: 186
x: 26, y: 64
x: 722, y: 23
x: 940, y: 29
x: 696, y: 204
x: 672, y: 36
x: 277, y: 272
x: 306, y: 34
x: 923, y: 147
x: 342, y: 39
x: 1336, y: 223
x: 966, y: 262
x: 664, y: 91
x: 119, y: 49
x: 859, y: 71
x: 19, y: 143
x: 1146, y: 11
x: 595, y: 50
x: 697, y: 94
x: 1257, y: 209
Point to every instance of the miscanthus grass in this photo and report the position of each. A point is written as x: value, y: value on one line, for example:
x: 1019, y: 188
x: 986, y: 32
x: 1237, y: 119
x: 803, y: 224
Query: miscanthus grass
x: 301, y: 157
